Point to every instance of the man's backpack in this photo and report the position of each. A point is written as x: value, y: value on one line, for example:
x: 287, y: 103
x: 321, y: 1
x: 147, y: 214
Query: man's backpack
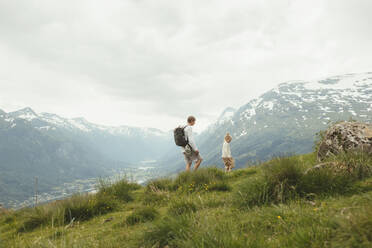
x: 180, y: 137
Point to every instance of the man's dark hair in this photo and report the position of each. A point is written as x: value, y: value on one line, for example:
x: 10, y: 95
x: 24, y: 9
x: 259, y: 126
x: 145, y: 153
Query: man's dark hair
x: 190, y: 119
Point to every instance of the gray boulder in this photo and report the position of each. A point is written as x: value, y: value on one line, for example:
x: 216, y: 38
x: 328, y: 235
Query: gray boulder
x: 345, y: 136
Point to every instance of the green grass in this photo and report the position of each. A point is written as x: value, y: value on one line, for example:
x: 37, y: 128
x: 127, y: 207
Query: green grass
x: 121, y: 190
x: 162, y: 184
x: 279, y: 203
x: 142, y: 215
x: 80, y: 207
x: 182, y: 207
x: 76, y: 208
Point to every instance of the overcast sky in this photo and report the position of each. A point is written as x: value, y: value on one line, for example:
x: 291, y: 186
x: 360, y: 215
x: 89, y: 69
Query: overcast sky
x: 153, y: 62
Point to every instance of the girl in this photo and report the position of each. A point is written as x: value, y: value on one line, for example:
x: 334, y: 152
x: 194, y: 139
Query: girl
x: 226, y: 154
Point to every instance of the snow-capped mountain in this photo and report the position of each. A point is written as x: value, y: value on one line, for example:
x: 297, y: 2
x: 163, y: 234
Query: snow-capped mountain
x: 59, y: 150
x: 286, y: 118
x: 48, y: 121
x: 122, y: 143
x: 283, y: 120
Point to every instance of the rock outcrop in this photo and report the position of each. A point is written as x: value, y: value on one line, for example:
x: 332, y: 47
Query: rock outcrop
x: 346, y: 136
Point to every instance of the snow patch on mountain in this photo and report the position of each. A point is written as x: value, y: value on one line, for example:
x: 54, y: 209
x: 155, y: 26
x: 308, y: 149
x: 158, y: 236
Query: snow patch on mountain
x: 26, y: 113
x: 9, y: 119
x: 244, y: 132
x: 53, y: 119
x: 268, y: 105
x: 46, y: 128
x: 248, y: 113
x: 27, y: 116
x: 80, y: 125
x: 342, y: 82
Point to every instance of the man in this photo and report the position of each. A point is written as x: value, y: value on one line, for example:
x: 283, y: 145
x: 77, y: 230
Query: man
x: 190, y: 151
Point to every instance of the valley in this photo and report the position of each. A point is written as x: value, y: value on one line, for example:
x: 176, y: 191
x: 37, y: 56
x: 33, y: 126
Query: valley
x: 141, y: 173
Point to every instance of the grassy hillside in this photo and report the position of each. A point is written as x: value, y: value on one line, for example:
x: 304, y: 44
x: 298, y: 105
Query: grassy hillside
x: 277, y: 204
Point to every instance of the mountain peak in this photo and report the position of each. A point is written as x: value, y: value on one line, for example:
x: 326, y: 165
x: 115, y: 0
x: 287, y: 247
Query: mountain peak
x: 26, y: 110
x: 25, y: 113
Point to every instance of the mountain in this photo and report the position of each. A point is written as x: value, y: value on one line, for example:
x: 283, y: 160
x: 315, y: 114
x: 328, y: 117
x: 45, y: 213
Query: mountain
x: 285, y: 119
x: 123, y: 143
x: 58, y: 150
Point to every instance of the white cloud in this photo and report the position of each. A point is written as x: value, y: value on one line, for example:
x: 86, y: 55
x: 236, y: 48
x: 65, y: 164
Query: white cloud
x: 152, y: 63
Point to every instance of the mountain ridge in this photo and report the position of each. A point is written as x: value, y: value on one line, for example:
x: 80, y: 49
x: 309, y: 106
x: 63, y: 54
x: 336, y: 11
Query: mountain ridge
x: 285, y: 118
x: 29, y: 114
x: 58, y: 150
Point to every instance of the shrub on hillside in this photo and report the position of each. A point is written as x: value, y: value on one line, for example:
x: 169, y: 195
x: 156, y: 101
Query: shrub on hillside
x: 167, y: 232
x: 154, y: 198
x: 276, y: 185
x: 77, y: 208
x: 358, y: 163
x: 219, y: 186
x: 284, y: 179
x: 325, y: 182
x: 162, y: 184
x: 284, y: 170
x: 200, y: 180
x: 84, y: 208
x: 120, y: 190
x: 319, y: 138
x: 281, y: 176
x: 338, y: 176
x: 8, y: 218
x: 183, y: 206
x: 254, y: 192
x: 34, y: 218
x: 142, y: 215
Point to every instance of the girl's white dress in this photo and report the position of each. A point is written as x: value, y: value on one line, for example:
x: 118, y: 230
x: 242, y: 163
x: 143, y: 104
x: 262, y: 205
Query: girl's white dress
x: 226, y: 152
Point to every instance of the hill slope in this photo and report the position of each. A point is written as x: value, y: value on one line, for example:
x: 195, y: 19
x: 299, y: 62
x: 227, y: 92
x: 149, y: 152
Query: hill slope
x: 208, y: 208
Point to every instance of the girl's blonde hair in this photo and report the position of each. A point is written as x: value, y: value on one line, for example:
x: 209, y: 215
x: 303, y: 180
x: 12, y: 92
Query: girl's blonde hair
x: 228, y: 138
